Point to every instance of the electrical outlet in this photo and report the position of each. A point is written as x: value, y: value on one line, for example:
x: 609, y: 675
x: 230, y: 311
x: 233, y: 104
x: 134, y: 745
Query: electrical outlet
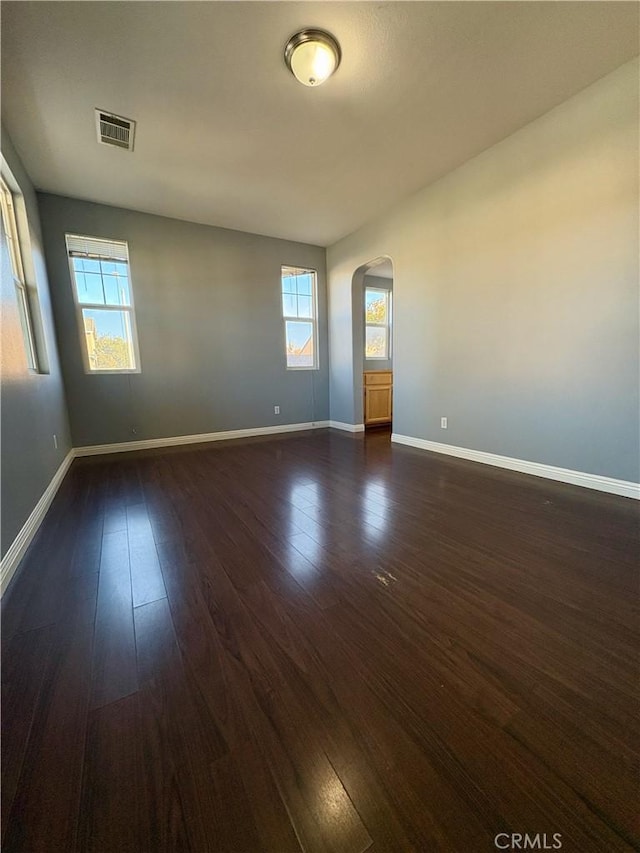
x: 276, y: 410
x: 55, y: 441
x: 443, y: 423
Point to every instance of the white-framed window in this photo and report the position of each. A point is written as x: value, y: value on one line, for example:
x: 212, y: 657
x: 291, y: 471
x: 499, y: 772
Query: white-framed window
x: 103, y: 295
x: 14, y: 248
x: 377, y: 312
x: 300, y: 314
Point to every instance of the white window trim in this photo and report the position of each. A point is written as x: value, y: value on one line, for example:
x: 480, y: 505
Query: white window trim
x: 387, y: 325
x: 295, y: 319
x: 15, y: 246
x: 79, y: 306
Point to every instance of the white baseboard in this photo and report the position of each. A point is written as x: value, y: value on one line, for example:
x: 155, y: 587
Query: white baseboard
x: 12, y: 558
x: 346, y: 427
x: 225, y: 435
x: 625, y: 488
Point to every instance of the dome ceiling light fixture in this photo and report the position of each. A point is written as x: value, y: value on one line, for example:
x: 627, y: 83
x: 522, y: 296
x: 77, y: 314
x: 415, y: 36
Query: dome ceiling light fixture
x: 312, y: 56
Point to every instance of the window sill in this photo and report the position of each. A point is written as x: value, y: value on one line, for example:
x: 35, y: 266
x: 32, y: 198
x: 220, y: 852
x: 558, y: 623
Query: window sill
x: 109, y: 372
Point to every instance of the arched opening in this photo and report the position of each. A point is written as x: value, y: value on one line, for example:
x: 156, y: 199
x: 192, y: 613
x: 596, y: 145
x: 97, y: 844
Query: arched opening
x: 372, y: 318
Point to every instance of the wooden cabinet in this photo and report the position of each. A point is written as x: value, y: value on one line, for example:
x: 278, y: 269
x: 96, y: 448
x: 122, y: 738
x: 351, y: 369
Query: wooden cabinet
x: 378, y: 392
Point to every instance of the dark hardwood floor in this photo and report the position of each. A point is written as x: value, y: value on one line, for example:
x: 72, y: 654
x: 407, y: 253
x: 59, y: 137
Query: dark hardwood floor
x: 320, y: 643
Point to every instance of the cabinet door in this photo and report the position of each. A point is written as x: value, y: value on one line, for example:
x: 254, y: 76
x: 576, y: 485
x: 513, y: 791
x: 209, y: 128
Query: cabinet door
x: 377, y: 404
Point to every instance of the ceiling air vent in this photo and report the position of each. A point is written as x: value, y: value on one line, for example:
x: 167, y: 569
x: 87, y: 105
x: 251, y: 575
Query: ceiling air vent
x: 115, y: 130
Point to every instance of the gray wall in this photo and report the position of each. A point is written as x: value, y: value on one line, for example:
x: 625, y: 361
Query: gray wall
x: 516, y: 293
x: 210, y: 329
x: 33, y: 405
x: 378, y: 363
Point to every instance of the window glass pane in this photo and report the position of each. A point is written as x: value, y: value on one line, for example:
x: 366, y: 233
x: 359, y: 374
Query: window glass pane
x: 304, y: 306
x: 10, y: 230
x: 304, y: 285
x: 101, y: 287
x: 90, y: 289
x: 81, y: 285
x: 15, y: 252
x: 289, y: 305
x: 111, y: 290
x: 100, y: 275
x: 375, y: 304
x: 299, y: 342
x: 289, y: 284
x: 25, y: 322
x: 376, y: 342
x: 116, y: 288
x: 298, y: 301
x: 109, y: 339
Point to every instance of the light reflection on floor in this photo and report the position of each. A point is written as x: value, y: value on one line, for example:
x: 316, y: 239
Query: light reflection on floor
x: 375, y: 509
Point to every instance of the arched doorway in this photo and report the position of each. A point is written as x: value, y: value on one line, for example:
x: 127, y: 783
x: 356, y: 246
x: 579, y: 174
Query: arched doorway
x: 372, y: 318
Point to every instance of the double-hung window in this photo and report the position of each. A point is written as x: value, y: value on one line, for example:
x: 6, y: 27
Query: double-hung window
x: 103, y: 296
x: 300, y: 313
x: 10, y: 228
x: 377, y: 310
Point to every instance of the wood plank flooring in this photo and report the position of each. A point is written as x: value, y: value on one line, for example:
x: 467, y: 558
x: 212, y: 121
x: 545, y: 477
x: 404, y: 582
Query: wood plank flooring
x: 320, y: 643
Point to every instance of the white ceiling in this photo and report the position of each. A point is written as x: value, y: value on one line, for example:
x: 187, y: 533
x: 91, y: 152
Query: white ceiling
x: 226, y: 135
